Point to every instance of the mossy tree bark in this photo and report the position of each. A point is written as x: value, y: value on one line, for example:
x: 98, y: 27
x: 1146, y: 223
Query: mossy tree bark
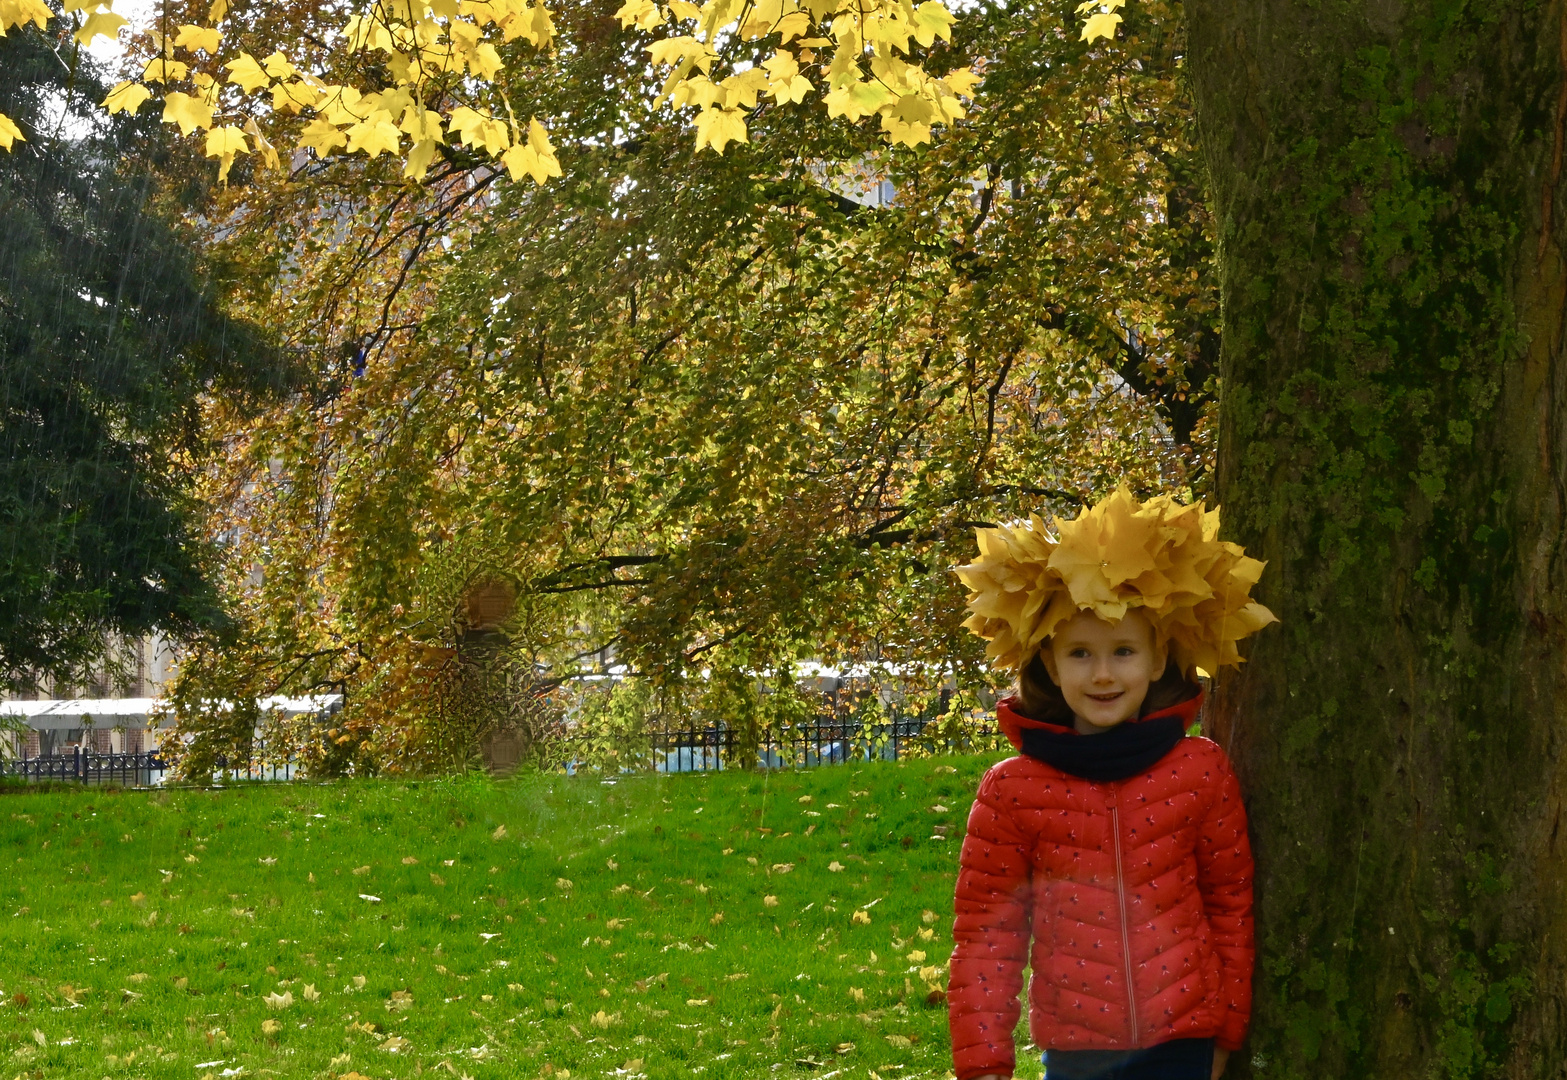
x: 1387, y: 178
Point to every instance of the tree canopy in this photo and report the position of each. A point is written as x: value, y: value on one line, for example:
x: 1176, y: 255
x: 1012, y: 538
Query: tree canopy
x: 705, y: 412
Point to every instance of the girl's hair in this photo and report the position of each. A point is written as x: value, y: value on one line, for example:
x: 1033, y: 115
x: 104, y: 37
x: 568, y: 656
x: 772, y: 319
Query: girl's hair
x: 1038, y: 698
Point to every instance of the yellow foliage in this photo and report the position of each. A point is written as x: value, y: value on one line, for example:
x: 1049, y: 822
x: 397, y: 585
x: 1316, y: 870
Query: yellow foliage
x: 1160, y: 556
x: 10, y: 134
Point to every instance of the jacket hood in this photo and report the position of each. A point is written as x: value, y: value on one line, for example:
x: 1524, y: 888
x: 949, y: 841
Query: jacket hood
x: 1014, y: 723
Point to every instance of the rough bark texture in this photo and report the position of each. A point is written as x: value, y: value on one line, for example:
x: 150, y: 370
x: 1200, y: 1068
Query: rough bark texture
x: 1387, y: 180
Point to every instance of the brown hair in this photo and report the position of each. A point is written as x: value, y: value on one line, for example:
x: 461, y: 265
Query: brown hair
x: 1038, y: 698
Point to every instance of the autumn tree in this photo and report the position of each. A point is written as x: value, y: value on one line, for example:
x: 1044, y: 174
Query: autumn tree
x: 705, y: 411
x: 1386, y: 182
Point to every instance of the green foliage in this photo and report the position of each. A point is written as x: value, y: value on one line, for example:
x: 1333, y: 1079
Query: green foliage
x: 643, y: 902
x: 110, y: 333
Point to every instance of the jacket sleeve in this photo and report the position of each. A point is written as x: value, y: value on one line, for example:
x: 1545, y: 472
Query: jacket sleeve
x: 991, y: 934
x: 1224, y: 877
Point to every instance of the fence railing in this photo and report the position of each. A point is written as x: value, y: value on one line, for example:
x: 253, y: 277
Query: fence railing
x: 825, y: 741
x: 820, y: 742
x: 144, y: 769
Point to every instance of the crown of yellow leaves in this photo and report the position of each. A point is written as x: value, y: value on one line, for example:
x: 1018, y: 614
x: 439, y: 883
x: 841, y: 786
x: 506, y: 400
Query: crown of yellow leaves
x: 1158, y: 555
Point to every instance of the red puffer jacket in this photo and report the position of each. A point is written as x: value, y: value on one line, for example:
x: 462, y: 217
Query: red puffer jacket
x: 1137, y: 894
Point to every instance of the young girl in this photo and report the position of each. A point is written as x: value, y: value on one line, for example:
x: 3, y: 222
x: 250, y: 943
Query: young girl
x: 1114, y: 841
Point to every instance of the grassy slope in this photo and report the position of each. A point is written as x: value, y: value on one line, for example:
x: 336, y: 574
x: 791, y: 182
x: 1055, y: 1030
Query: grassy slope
x: 162, y: 915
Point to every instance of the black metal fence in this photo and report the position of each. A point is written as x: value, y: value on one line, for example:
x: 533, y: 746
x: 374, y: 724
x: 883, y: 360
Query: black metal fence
x: 145, y: 769
x: 825, y: 741
x: 819, y: 742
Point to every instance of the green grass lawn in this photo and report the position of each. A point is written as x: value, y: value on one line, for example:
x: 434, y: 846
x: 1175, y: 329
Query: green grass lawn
x: 727, y: 925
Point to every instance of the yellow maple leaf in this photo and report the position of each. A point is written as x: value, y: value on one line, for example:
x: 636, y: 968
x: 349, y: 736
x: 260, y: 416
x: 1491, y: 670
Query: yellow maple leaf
x: 421, y: 124
x: 126, y: 97
x: 277, y: 65
x: 162, y: 69
x: 100, y: 24
x: 375, y: 135
x: 536, y: 158
x: 245, y: 73
x: 1101, y: 25
x: 740, y: 89
x: 419, y: 159
x: 321, y: 136
x: 205, y: 38
x: 907, y: 132
x: 485, y: 62
x: 22, y: 12
x: 190, y: 113
x: 10, y: 134
x: 218, y: 9
x: 718, y: 128
x: 673, y: 50
x: 293, y: 96
x: 269, y: 156
x: 932, y: 20
x: 642, y: 14
x: 225, y: 143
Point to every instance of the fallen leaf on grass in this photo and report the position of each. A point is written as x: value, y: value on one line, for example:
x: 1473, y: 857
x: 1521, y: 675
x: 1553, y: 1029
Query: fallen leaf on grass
x: 696, y: 1001
x: 717, y: 918
x: 409, y: 860
x: 489, y: 937
x: 139, y: 899
x: 268, y: 861
x: 938, y: 809
x: 399, y: 1001
x: 437, y: 879
x: 279, y: 1001
x: 927, y: 917
x: 270, y: 1027
x: 770, y: 901
x: 917, y: 956
x: 563, y: 884
x: 843, y: 1048
x: 499, y: 833
x: 862, y: 918
x: 927, y: 934
x: 805, y: 798
x: 782, y: 867
x: 310, y: 993
x: 339, y: 1061
x: 602, y: 1019
x: 140, y: 976
x: 40, y: 1038
x: 835, y: 866
x: 902, y: 1042
x: 367, y: 898
x: 396, y: 1044
x: 360, y: 871
x: 856, y: 993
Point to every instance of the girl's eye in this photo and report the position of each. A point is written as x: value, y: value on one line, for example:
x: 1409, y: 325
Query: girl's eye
x: 1078, y: 654
x: 1125, y: 650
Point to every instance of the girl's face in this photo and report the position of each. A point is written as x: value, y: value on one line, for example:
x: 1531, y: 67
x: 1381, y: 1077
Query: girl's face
x: 1104, y: 669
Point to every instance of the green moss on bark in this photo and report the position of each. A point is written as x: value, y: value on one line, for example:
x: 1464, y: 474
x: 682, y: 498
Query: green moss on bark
x: 1378, y: 177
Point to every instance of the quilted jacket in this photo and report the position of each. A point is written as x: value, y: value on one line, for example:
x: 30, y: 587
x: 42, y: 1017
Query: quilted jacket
x: 1136, y: 894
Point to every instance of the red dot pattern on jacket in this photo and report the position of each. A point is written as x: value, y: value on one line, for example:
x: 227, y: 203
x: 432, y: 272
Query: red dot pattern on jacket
x: 1039, y: 862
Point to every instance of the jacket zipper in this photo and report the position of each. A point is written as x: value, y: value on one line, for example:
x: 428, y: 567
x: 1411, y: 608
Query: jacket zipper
x: 1126, y: 935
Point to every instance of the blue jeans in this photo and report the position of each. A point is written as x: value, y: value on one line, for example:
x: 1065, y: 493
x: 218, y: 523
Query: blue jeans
x: 1178, y: 1059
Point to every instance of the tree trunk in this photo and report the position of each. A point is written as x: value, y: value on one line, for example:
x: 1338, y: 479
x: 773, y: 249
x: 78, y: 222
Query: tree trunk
x: 1386, y: 178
